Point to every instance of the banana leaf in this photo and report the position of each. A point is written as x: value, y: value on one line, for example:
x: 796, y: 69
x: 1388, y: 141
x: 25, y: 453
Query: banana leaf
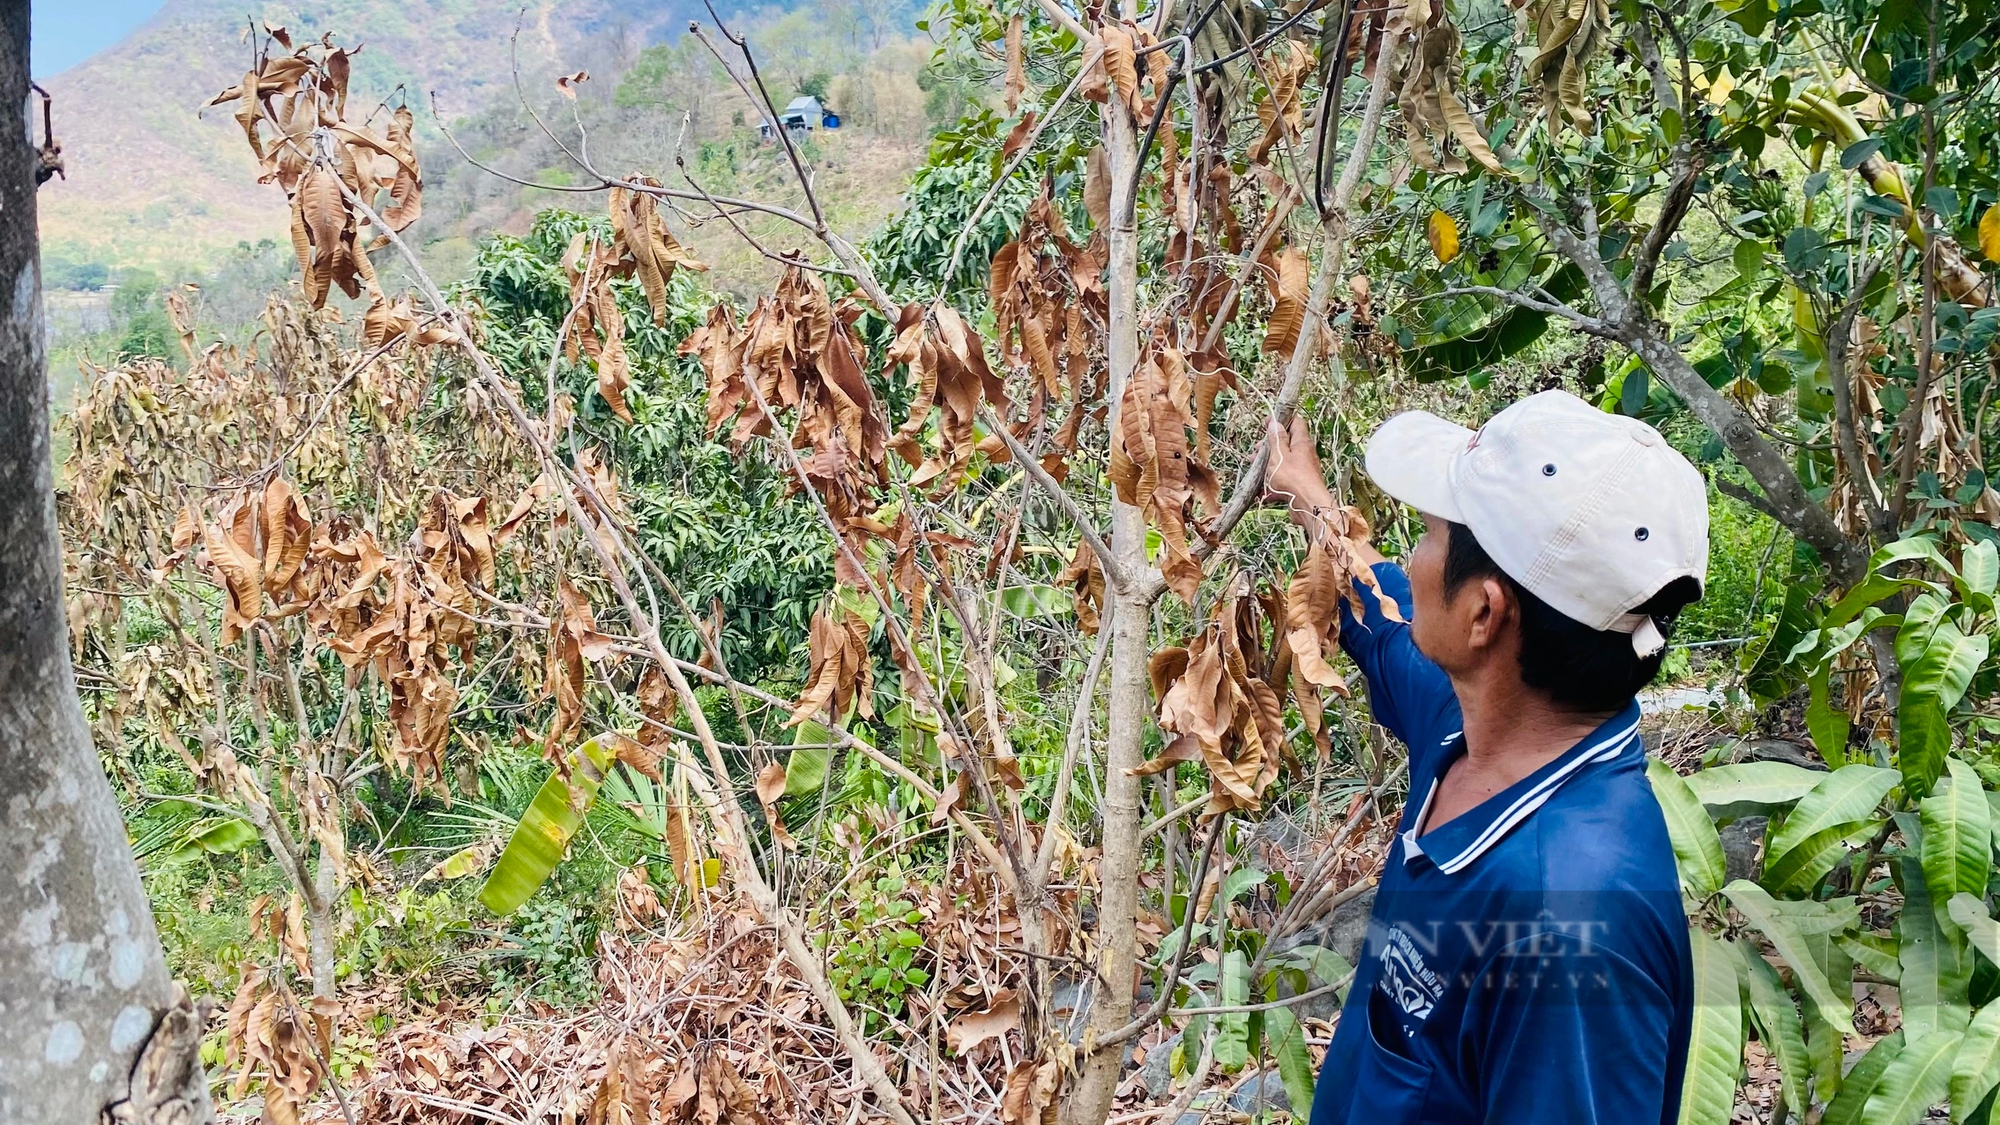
x: 1509, y: 331
x: 545, y: 830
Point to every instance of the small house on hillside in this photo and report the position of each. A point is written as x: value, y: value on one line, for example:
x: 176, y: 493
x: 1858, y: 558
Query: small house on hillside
x: 805, y: 114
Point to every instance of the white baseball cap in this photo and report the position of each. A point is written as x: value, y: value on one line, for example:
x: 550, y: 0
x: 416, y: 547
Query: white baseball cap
x: 1593, y: 513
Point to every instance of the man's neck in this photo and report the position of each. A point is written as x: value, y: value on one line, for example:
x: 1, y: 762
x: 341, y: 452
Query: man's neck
x: 1511, y: 730
x: 1506, y: 721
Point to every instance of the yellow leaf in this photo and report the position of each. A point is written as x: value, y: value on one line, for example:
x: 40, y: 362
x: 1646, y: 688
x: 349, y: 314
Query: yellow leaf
x: 1989, y: 233
x: 1720, y: 89
x: 1444, y: 237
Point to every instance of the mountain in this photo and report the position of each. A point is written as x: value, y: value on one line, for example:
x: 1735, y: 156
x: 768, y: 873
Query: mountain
x: 153, y: 180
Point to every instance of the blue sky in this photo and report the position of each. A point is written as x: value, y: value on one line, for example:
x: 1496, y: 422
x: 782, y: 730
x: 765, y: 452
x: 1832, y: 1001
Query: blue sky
x: 66, y: 32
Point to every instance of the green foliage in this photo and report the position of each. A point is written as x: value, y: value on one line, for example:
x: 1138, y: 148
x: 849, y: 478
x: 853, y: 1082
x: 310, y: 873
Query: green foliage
x: 875, y: 949
x: 722, y: 523
x: 421, y: 940
x: 66, y: 273
x: 550, y: 953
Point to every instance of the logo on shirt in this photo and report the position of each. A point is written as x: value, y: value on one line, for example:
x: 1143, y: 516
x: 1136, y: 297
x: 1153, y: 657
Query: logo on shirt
x: 1406, y: 979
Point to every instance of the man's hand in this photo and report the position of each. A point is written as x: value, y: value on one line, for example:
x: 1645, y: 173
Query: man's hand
x: 1293, y: 476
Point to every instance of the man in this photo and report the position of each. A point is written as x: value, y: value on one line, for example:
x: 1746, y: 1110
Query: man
x: 1527, y: 959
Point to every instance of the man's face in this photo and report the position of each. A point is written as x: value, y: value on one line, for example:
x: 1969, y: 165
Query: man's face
x: 1456, y: 632
x: 1425, y: 567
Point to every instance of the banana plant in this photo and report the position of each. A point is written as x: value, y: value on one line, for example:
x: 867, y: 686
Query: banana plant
x: 542, y: 837
x: 1777, y: 955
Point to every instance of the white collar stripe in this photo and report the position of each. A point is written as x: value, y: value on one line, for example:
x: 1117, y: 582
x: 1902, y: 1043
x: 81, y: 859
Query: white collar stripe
x: 1411, y: 848
x: 1528, y: 802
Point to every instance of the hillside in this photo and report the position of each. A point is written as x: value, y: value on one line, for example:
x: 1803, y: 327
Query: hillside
x: 153, y: 183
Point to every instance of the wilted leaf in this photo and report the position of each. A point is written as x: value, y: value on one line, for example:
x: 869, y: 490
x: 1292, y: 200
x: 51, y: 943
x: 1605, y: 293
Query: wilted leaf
x: 1287, y: 273
x: 970, y: 1029
x: 1016, y: 82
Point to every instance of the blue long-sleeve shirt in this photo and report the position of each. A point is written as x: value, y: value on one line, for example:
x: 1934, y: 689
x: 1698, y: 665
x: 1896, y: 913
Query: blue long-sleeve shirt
x: 1527, y: 962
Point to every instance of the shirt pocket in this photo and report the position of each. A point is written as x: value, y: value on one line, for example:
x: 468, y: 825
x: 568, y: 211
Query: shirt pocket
x: 1390, y: 1087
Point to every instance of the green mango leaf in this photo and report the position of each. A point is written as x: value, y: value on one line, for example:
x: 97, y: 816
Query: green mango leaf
x: 1835, y: 639
x: 805, y: 770
x: 1238, y: 881
x: 1752, y: 788
x: 1768, y: 675
x: 1758, y: 907
x: 1916, y: 548
x: 1976, y: 1069
x: 544, y: 832
x: 1920, y: 622
x: 1876, y: 954
x: 1323, y: 965
x: 1697, y: 847
x: 1936, y: 969
x: 1848, y: 794
x: 1715, y: 1039
x: 1295, y: 1068
x: 1958, y: 835
x: 1947, y: 664
x: 1777, y: 1021
x: 1979, y: 571
x: 1981, y: 931
x: 1821, y: 919
x: 1798, y: 871
x: 1232, y: 1029
x: 1861, y: 1082
x: 1036, y: 601
x: 1923, y: 740
x: 1871, y: 589
x: 1828, y: 725
x: 1918, y: 1079
x: 464, y: 862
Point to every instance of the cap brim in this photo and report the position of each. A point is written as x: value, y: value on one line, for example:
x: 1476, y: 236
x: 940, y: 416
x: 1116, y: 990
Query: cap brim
x: 1410, y: 458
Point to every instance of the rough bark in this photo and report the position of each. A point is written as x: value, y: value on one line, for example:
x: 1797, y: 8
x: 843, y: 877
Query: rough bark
x: 84, y: 983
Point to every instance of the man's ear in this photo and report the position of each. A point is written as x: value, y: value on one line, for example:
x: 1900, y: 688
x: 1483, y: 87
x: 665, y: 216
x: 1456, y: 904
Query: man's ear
x: 1493, y: 607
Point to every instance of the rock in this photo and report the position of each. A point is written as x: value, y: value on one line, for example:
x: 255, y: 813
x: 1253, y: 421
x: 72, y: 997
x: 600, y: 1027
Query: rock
x: 1069, y: 1005
x: 1281, y: 835
x: 1348, y: 927
x: 1734, y: 751
x: 1741, y: 839
x: 1263, y: 1091
x: 1198, y: 1110
x: 1158, y: 1070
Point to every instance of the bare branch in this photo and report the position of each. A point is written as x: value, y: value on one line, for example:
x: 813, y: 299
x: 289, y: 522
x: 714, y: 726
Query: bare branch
x: 1113, y: 572
x: 1332, y: 261
x: 1847, y: 437
x: 1544, y: 304
x: 1079, y: 732
x: 979, y: 212
x: 1061, y: 18
x: 1736, y: 491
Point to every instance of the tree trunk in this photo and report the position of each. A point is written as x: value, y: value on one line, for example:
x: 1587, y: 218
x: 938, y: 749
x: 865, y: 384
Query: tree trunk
x: 84, y: 983
x: 1127, y: 700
